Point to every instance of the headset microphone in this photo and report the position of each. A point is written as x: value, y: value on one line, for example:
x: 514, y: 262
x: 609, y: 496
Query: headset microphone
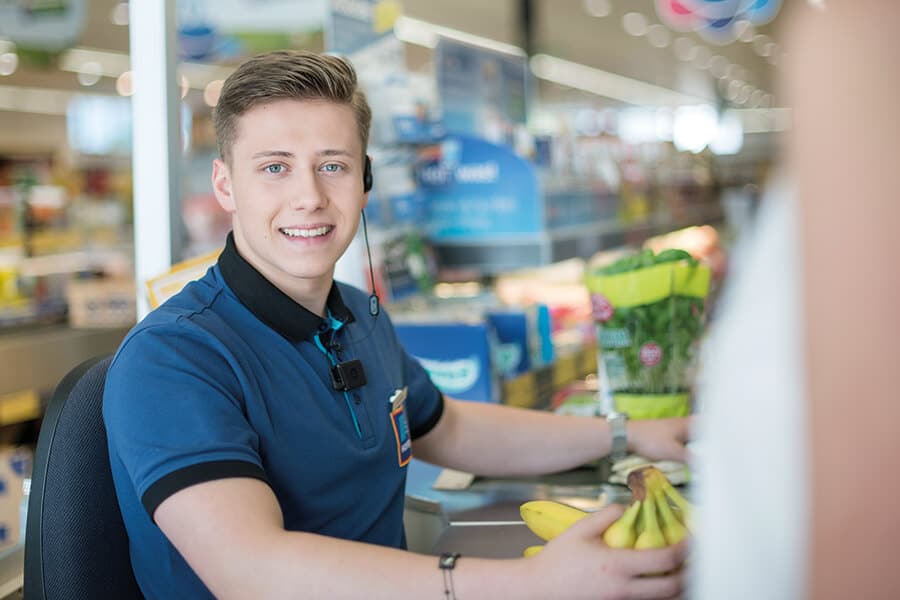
x: 367, y: 185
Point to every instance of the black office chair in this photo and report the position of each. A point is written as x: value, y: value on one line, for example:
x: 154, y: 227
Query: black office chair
x: 75, y: 541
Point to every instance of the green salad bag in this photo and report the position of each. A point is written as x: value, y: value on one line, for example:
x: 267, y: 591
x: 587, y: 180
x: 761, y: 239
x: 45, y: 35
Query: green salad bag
x: 650, y: 313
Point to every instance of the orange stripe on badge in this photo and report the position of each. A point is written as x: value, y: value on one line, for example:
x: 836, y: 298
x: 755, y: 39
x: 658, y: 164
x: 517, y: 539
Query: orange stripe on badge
x: 397, y: 414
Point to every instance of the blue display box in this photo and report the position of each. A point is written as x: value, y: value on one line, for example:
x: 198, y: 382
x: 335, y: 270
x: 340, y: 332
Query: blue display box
x: 456, y: 355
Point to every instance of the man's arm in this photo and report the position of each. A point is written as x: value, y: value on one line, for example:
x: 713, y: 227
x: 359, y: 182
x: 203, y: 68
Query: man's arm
x: 495, y: 440
x: 230, y: 532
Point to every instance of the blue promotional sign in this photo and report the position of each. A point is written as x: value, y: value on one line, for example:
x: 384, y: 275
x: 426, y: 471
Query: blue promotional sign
x: 477, y: 190
x: 457, y: 357
x: 483, y: 92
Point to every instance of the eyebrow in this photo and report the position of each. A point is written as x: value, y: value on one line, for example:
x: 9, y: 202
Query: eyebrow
x: 286, y: 154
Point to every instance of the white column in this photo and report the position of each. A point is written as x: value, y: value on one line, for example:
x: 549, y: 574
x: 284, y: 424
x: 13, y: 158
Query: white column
x: 156, y: 141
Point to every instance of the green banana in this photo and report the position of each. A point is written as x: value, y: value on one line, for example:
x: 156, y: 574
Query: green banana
x: 547, y: 519
x: 622, y: 534
x: 651, y: 536
x: 672, y: 528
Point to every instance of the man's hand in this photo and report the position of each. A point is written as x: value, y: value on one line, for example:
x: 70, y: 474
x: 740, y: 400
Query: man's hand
x: 577, y: 564
x: 660, y: 439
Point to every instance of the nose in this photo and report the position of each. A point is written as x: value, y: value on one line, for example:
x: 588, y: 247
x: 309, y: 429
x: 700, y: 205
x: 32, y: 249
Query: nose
x: 308, y: 193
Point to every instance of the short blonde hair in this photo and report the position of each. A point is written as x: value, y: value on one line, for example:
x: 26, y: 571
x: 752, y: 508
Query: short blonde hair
x: 287, y: 74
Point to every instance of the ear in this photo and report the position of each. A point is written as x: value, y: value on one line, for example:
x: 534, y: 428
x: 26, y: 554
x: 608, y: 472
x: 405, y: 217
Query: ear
x: 221, y: 182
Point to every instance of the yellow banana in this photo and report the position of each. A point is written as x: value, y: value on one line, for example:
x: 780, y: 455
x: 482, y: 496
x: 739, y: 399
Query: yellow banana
x: 651, y: 536
x: 622, y: 534
x: 683, y: 505
x: 532, y: 550
x: 672, y: 528
x: 547, y: 519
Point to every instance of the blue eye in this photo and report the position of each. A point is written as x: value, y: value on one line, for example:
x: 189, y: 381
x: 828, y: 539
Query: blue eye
x: 274, y: 169
x: 331, y: 167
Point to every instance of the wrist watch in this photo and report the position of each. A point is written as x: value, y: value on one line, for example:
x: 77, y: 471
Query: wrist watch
x: 617, y: 421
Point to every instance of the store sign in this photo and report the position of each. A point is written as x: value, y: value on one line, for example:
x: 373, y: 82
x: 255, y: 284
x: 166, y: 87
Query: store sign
x: 478, y: 190
x: 42, y: 25
x: 483, y: 92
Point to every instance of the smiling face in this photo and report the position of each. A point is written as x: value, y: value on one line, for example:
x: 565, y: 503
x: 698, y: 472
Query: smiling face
x: 294, y: 188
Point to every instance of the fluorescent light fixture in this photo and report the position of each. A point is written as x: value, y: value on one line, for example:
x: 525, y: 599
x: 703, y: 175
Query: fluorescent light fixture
x: 694, y: 127
x: 606, y: 84
x: 422, y: 33
x: 113, y: 64
x: 729, y: 136
x: 41, y: 101
x: 109, y: 64
x: 764, y: 120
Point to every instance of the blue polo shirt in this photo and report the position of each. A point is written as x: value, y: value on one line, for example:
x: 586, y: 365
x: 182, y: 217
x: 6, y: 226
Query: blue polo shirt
x: 232, y: 378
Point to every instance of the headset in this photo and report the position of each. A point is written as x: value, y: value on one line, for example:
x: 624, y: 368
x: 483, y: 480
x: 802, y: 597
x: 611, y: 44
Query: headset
x: 367, y: 187
x: 367, y: 175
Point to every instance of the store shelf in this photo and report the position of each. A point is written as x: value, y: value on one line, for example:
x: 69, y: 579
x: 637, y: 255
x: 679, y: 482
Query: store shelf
x: 36, y: 358
x: 510, y: 252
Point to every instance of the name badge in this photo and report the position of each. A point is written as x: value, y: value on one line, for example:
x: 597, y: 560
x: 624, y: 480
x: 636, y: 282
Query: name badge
x: 401, y: 426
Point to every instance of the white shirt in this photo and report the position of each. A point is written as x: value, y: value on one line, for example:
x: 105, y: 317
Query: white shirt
x: 752, y: 487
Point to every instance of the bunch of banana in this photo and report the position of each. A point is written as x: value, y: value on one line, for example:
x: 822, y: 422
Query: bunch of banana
x: 649, y: 522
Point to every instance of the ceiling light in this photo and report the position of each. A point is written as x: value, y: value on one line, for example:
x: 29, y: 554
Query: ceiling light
x: 90, y: 73
x: 212, y: 91
x: 598, y: 8
x: 755, y: 98
x: 694, y: 127
x: 759, y: 43
x: 634, y: 24
x: 658, y: 36
x: 422, y: 33
x: 124, y: 84
x: 9, y: 62
x: 608, y: 85
x: 729, y: 135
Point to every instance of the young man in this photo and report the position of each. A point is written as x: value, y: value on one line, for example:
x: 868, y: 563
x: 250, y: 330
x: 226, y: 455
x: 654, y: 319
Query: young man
x: 254, y: 459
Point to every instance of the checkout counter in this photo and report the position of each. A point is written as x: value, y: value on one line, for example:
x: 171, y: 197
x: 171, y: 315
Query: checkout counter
x: 483, y: 520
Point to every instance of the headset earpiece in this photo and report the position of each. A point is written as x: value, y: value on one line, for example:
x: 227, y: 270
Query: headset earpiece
x: 367, y: 175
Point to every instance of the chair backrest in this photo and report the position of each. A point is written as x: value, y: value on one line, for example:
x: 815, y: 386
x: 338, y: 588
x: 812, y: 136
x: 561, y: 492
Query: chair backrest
x: 76, y: 546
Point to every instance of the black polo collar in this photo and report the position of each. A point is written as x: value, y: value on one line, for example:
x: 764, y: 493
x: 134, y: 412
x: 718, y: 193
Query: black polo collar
x: 272, y: 306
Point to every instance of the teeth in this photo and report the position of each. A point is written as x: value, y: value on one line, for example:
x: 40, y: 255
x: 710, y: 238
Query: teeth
x: 306, y: 233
